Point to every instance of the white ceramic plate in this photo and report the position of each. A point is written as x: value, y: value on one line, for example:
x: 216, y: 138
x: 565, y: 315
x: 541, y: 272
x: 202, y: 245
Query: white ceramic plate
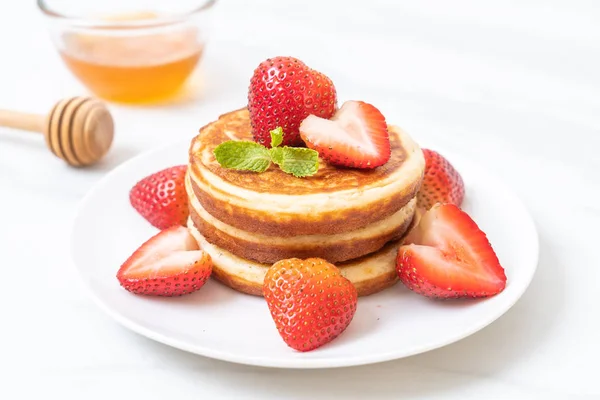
x: 221, y: 323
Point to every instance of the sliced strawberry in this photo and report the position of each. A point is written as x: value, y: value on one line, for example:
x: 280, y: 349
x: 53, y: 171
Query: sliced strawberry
x: 356, y: 136
x: 168, y: 264
x: 161, y: 198
x: 448, y: 256
x: 441, y: 182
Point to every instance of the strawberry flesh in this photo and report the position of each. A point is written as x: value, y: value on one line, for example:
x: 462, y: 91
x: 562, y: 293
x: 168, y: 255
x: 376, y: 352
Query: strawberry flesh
x: 168, y: 264
x: 448, y: 256
x: 356, y: 136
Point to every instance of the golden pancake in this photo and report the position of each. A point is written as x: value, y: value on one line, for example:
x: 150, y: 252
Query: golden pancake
x: 274, y: 203
x: 369, y: 274
x: 269, y: 249
x: 353, y: 218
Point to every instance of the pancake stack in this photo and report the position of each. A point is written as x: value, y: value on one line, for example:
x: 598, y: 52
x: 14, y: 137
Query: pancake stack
x: 247, y: 221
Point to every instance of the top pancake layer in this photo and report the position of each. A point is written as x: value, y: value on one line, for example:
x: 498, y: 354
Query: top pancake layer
x: 236, y: 126
x: 274, y: 203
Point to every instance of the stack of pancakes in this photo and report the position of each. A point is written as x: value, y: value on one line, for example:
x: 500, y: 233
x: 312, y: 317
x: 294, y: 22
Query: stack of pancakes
x: 247, y: 221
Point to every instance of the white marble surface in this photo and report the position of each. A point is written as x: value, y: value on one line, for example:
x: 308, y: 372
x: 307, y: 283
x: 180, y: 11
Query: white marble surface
x: 514, y: 85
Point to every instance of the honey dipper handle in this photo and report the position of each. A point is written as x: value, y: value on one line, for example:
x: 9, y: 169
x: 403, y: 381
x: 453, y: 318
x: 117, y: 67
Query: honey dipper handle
x: 20, y: 120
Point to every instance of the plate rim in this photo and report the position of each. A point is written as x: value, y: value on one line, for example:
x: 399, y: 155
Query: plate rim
x: 291, y: 363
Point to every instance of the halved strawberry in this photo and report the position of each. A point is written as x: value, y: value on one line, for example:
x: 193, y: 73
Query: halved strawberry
x: 356, y: 136
x: 169, y: 264
x: 448, y: 256
x: 161, y: 197
x: 441, y: 182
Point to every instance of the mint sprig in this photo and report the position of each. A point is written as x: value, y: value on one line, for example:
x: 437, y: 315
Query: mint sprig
x: 243, y: 155
x: 251, y: 156
x: 297, y: 161
x: 276, y: 136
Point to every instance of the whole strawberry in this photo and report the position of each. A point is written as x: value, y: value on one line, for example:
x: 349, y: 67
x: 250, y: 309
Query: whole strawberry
x: 441, y: 182
x: 310, y: 301
x: 283, y: 91
x: 161, y: 197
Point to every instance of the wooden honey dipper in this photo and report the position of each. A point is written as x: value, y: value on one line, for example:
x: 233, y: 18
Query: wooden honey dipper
x: 78, y: 130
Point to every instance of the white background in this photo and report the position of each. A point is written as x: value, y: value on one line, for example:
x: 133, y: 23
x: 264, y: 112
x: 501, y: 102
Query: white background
x: 513, y: 85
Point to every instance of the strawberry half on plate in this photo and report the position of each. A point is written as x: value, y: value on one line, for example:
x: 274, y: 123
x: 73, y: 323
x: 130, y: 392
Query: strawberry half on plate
x: 356, y: 136
x: 168, y: 264
x: 448, y: 256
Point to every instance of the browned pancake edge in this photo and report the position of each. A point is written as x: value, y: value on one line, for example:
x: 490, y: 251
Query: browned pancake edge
x: 269, y: 253
x: 364, y: 288
x: 235, y: 125
x: 218, y: 203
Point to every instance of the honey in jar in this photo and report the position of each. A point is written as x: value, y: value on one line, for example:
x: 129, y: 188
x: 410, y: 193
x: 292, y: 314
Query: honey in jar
x: 132, y: 67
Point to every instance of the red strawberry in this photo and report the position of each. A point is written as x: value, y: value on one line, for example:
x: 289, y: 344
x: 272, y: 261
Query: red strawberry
x: 161, y: 197
x: 356, y: 136
x: 310, y: 301
x: 441, y: 182
x: 169, y: 264
x: 283, y: 91
x: 448, y: 256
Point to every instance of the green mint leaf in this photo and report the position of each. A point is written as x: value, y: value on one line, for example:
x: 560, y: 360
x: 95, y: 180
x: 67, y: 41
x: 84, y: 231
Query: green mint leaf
x: 277, y: 155
x: 297, y: 161
x: 243, y: 155
x: 276, y: 136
